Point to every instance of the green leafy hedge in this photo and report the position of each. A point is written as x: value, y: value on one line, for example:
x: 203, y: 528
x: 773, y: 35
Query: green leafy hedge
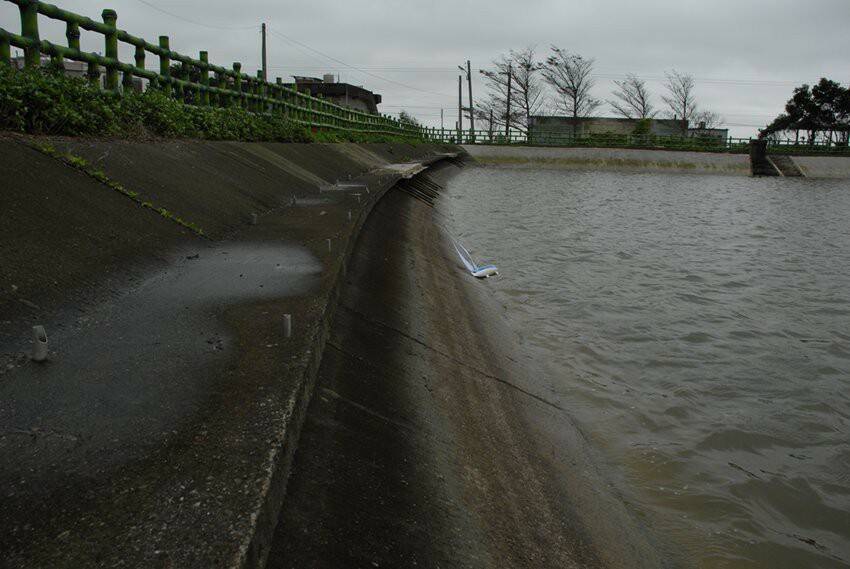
x: 46, y: 101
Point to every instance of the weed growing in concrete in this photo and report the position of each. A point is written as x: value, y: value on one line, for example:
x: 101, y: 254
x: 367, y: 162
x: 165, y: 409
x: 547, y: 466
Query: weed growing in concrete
x: 82, y: 165
x: 76, y: 161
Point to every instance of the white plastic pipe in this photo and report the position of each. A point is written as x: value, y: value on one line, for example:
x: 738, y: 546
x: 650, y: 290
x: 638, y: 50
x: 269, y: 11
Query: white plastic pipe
x: 39, y: 349
x: 287, y: 325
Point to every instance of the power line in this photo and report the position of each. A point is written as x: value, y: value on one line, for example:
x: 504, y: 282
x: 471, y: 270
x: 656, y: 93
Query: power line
x: 356, y: 68
x: 212, y: 27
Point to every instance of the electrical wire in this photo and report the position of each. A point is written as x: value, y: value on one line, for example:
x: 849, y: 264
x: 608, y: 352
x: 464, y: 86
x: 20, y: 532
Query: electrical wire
x: 369, y: 73
x: 212, y: 27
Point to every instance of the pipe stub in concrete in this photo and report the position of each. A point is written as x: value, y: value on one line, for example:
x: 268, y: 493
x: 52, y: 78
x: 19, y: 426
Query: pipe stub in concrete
x: 39, y: 349
x: 287, y: 325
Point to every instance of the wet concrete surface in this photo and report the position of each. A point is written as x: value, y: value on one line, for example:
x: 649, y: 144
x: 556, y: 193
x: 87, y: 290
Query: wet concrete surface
x: 160, y: 431
x: 122, y: 377
x: 430, y: 441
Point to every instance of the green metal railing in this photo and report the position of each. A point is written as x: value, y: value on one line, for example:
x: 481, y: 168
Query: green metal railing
x: 648, y: 141
x: 197, y: 80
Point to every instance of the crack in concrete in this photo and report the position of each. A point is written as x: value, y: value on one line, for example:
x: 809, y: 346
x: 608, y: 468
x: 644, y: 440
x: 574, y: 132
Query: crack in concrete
x: 455, y: 360
x: 368, y: 411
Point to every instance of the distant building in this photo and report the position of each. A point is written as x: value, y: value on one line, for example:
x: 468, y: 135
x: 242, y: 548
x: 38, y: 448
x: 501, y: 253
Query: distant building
x: 702, y: 132
x: 343, y: 94
x: 542, y: 127
x: 79, y: 69
x: 72, y: 68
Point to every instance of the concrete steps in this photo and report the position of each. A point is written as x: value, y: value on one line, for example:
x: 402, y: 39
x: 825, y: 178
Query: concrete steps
x: 786, y: 166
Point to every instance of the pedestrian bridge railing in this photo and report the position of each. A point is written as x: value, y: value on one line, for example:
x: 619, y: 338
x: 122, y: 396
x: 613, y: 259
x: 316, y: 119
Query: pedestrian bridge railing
x: 195, y: 81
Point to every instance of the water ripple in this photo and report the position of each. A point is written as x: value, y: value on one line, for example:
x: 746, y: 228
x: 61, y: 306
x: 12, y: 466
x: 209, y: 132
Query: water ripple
x: 697, y: 326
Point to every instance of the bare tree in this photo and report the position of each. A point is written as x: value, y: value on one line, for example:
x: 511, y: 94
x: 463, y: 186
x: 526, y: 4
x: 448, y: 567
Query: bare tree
x: 710, y: 118
x: 634, y: 100
x: 680, y: 98
x: 526, y: 90
x: 570, y: 75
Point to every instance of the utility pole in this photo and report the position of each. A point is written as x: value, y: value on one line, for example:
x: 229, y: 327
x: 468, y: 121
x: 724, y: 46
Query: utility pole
x: 265, y: 61
x: 468, y: 71
x: 442, y: 124
x: 491, y: 124
x: 508, y: 114
x: 459, y: 108
x: 471, y: 107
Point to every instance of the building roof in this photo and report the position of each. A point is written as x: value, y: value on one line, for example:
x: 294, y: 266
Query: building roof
x: 338, y: 91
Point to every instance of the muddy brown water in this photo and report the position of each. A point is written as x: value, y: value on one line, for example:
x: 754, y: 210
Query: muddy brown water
x: 698, y: 328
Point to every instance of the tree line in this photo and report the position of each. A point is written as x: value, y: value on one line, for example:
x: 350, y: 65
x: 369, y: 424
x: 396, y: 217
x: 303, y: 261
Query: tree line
x: 820, y: 113
x: 521, y: 84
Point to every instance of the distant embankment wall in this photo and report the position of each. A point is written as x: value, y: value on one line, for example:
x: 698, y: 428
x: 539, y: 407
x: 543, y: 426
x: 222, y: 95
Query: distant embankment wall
x: 824, y: 166
x: 610, y: 159
x: 645, y: 160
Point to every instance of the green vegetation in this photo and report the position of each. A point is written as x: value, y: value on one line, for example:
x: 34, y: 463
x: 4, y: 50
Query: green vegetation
x: 643, y: 127
x: 614, y: 140
x: 82, y: 165
x: 821, y: 112
x: 46, y: 101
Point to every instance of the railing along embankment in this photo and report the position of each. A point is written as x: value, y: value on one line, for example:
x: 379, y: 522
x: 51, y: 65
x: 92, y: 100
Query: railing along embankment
x: 195, y: 81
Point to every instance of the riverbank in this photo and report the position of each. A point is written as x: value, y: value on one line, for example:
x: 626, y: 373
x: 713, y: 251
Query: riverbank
x: 645, y: 160
x: 159, y: 432
x: 433, y: 440
x: 609, y: 159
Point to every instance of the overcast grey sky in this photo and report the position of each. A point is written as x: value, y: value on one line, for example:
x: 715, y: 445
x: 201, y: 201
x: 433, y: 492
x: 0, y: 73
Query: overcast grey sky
x: 746, y: 55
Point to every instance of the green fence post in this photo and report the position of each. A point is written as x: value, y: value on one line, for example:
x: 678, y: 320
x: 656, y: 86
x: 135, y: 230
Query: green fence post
x: 250, y: 91
x: 205, y: 78
x: 29, y: 29
x: 127, y: 81
x: 110, y: 18
x: 165, y: 65
x: 185, y: 76
x: 237, y: 83
x: 278, y: 94
x: 261, y: 92
x: 5, y: 49
x: 139, y: 57
x: 72, y: 33
x: 93, y: 73
x: 221, y: 83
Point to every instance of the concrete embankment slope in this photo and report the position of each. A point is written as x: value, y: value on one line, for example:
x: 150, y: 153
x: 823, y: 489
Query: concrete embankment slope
x: 824, y: 166
x: 431, y: 441
x: 610, y: 159
x: 160, y: 431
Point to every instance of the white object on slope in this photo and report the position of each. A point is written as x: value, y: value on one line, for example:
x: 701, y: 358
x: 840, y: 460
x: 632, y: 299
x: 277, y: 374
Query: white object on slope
x: 479, y: 271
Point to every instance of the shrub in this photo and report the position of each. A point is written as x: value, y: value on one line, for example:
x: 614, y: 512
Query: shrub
x: 46, y: 101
